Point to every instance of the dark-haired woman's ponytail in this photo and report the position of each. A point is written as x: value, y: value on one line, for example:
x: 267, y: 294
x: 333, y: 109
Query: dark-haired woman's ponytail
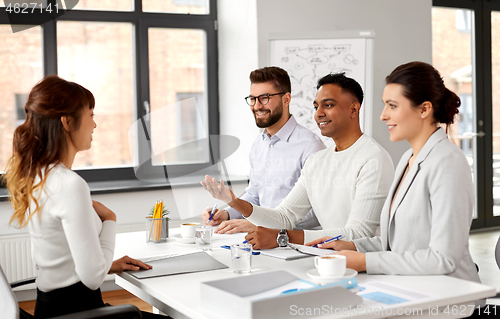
x: 449, y: 107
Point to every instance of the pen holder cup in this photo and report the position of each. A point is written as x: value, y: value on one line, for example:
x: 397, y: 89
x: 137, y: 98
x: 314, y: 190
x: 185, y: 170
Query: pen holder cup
x: 156, y: 230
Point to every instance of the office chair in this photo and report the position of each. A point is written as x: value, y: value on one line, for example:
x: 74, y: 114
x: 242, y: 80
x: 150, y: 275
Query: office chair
x: 497, y: 258
x: 9, y: 307
x: 494, y: 309
x: 497, y: 252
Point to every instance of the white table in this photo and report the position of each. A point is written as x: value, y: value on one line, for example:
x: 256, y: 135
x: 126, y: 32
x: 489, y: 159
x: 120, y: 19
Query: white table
x: 179, y: 295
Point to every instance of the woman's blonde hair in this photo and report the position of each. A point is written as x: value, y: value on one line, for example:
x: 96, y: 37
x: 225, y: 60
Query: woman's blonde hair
x: 41, y: 141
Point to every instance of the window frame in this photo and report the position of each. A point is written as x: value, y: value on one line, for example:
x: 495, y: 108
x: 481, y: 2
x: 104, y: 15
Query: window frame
x: 141, y: 21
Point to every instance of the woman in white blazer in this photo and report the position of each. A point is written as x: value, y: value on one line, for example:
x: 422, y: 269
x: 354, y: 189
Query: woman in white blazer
x: 426, y: 218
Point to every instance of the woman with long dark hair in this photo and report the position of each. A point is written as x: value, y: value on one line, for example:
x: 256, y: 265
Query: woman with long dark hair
x: 73, y: 237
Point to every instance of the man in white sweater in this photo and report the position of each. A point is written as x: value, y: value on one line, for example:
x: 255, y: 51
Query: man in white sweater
x: 345, y: 184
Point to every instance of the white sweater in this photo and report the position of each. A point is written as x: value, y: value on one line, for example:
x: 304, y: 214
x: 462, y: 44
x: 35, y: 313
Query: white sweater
x: 69, y: 241
x: 346, y: 189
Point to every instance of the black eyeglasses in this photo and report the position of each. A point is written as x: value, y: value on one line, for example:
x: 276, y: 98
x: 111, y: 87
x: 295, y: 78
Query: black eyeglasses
x: 263, y: 98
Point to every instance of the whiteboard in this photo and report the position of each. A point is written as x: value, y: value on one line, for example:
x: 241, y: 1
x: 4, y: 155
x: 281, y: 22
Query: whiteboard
x: 307, y: 58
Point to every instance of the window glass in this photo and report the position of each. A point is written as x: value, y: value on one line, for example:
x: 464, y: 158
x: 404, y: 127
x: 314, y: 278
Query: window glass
x: 99, y: 56
x: 114, y: 5
x: 20, y: 70
x: 452, y: 57
x: 463, y: 20
x: 176, y: 6
x: 177, y: 70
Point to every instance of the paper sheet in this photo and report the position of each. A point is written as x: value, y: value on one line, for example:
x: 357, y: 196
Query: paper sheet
x: 376, y: 293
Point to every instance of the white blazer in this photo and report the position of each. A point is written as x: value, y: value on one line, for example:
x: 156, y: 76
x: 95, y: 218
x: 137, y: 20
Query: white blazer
x: 427, y: 231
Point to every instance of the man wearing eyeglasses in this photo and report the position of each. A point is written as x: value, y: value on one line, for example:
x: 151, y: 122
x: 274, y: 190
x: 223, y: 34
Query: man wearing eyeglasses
x: 346, y: 184
x: 277, y: 155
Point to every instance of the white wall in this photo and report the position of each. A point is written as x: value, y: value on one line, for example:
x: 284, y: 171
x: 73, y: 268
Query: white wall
x: 402, y: 34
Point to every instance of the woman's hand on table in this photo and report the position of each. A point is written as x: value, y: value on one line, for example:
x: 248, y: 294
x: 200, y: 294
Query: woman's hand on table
x: 355, y: 260
x: 335, y: 245
x: 127, y: 263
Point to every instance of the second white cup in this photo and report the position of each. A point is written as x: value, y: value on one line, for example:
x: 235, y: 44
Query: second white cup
x: 330, y: 266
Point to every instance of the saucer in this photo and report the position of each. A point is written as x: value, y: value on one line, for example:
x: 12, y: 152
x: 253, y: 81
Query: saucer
x: 184, y: 240
x: 349, y: 273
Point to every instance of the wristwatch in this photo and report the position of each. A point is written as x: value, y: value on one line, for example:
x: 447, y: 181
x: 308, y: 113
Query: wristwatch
x: 282, y: 238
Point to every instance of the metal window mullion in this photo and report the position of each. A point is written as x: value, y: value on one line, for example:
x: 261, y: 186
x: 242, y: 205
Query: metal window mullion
x: 129, y: 16
x: 487, y: 56
x: 49, y: 47
x: 457, y: 4
x: 142, y: 73
x: 212, y: 88
x: 138, y: 6
x: 484, y: 198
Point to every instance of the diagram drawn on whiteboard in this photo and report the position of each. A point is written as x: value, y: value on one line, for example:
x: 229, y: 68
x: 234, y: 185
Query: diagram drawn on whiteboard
x: 306, y: 61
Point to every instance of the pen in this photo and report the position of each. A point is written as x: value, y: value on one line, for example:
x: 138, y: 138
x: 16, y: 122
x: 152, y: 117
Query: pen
x: 291, y: 290
x: 212, y: 213
x: 229, y: 247
x: 329, y: 240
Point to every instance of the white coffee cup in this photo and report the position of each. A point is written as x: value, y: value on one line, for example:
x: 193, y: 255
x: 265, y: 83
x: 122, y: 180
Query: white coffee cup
x: 330, y: 266
x: 188, y: 230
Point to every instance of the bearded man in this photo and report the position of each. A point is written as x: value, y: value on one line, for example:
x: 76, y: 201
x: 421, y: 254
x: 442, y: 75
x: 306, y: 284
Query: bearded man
x: 278, y: 154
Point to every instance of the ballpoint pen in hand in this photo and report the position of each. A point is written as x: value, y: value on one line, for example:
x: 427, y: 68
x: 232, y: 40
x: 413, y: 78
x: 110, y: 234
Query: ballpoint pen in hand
x: 329, y: 240
x: 212, y: 213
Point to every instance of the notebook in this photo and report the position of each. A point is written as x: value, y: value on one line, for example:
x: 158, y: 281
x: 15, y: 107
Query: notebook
x: 295, y: 251
x: 182, y: 264
x: 309, y: 250
x: 286, y: 253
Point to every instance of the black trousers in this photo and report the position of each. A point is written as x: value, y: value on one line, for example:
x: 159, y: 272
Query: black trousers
x: 71, y: 299
x: 62, y: 301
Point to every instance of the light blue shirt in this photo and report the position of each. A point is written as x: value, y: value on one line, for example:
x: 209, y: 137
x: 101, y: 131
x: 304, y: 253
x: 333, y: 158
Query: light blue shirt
x: 276, y: 162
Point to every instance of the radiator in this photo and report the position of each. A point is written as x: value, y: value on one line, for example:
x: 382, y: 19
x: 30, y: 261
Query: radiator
x: 15, y: 257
